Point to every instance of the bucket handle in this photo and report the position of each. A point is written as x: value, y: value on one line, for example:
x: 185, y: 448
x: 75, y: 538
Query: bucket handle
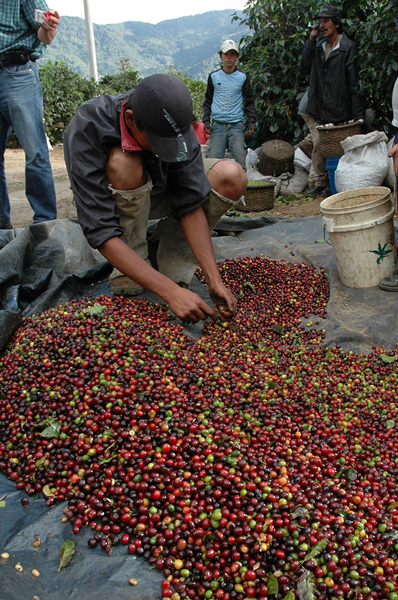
x: 329, y: 223
x: 324, y: 235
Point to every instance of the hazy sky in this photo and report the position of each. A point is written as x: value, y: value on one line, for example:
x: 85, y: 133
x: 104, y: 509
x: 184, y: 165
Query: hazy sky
x: 149, y: 11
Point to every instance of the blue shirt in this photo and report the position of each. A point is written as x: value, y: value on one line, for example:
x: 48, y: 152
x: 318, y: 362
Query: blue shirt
x: 18, y: 28
x: 228, y: 97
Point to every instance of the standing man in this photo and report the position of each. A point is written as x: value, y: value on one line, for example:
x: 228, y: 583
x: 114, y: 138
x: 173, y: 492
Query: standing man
x: 22, y: 42
x: 228, y: 97
x: 333, y: 94
x: 135, y: 157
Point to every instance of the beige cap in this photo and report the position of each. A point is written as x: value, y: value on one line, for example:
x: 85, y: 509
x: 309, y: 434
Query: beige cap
x: 229, y: 45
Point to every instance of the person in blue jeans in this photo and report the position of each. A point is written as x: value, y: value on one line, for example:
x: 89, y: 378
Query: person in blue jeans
x: 228, y: 98
x: 22, y: 42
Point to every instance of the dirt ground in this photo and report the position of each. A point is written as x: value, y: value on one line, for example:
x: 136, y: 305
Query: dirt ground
x: 22, y: 214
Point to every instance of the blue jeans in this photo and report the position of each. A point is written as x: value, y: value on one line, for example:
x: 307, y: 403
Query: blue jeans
x: 229, y: 136
x: 21, y: 106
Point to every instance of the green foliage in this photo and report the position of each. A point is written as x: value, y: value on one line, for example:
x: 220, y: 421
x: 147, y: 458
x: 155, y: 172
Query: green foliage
x: 374, y: 26
x: 197, y: 89
x: 125, y: 79
x: 271, y: 55
x: 63, y: 92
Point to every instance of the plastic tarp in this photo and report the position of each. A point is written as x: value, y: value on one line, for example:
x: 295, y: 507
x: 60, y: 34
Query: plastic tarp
x: 47, y: 264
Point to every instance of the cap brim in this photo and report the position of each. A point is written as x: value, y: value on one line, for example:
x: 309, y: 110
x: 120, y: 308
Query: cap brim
x: 173, y: 149
x: 327, y: 15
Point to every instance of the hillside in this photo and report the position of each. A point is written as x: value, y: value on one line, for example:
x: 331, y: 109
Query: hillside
x: 189, y: 43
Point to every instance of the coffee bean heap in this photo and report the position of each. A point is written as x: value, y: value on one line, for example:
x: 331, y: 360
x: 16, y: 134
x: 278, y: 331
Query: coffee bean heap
x: 253, y: 463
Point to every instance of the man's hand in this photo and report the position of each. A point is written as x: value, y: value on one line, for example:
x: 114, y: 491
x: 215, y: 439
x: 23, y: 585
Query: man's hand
x: 188, y: 306
x: 48, y: 29
x: 314, y: 34
x: 250, y: 133
x: 207, y: 130
x: 51, y: 20
x: 224, y: 301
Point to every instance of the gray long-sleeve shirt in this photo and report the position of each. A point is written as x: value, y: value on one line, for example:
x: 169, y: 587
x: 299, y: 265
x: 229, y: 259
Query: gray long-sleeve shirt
x: 94, y: 130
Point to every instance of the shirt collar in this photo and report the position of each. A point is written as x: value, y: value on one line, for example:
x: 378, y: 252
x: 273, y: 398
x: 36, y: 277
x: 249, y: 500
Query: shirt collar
x: 335, y: 47
x: 128, y: 142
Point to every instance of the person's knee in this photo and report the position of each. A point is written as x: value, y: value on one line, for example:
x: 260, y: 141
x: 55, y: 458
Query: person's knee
x: 125, y: 170
x: 228, y: 178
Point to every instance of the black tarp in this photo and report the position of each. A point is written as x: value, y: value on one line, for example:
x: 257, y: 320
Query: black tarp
x: 47, y: 264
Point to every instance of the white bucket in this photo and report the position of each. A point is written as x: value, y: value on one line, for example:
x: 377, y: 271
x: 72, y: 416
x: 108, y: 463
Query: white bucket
x: 360, y: 224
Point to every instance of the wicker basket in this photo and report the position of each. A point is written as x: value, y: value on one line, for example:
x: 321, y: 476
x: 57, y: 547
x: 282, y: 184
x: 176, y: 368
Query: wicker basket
x: 276, y: 157
x: 330, y: 137
x: 258, y: 197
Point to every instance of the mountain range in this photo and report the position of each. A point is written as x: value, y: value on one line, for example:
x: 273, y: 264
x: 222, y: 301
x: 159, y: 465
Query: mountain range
x: 190, y: 44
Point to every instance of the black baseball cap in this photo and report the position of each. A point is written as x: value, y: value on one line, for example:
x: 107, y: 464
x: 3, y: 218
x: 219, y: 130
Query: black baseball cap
x: 163, y: 104
x: 327, y: 11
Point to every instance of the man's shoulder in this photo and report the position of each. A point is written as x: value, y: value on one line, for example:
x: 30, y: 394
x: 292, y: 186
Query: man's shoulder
x: 347, y: 42
x: 242, y: 73
x: 215, y: 72
x: 105, y: 102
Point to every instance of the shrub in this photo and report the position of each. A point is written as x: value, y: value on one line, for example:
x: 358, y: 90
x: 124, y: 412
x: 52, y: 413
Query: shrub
x: 63, y: 92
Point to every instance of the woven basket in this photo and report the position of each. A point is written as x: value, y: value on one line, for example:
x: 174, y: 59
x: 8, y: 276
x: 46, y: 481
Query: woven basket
x: 258, y: 197
x: 330, y: 137
x: 276, y: 157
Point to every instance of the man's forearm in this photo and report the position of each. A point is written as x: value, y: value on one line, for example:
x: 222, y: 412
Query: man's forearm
x: 307, y: 58
x: 131, y: 264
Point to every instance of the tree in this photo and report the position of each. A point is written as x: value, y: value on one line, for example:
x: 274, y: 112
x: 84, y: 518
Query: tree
x: 125, y: 79
x: 271, y: 55
x: 374, y: 27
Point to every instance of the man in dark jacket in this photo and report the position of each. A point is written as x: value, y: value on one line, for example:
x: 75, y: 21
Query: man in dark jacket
x: 333, y: 94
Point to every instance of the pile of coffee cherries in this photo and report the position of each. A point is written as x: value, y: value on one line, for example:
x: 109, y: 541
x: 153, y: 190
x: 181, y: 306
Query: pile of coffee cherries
x: 253, y: 463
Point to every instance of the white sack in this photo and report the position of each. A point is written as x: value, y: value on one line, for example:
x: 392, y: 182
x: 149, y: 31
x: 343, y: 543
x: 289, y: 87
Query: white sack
x: 364, y: 162
x: 294, y: 184
x: 252, y: 159
x: 302, y: 160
